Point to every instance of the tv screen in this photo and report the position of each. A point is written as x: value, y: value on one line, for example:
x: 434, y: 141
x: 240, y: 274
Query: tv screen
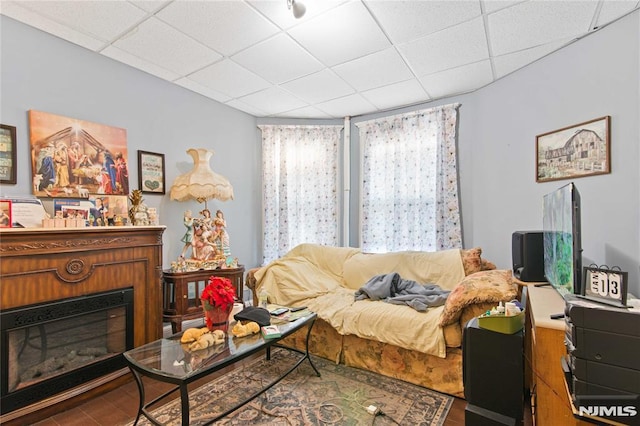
x: 561, y: 239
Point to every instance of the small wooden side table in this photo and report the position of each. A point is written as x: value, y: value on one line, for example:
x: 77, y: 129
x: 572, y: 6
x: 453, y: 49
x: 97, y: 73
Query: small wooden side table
x: 181, y: 293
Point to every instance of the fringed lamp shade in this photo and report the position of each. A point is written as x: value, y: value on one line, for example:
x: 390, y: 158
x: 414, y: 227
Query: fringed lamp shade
x: 201, y: 183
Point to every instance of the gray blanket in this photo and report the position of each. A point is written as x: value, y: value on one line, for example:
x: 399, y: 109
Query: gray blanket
x: 393, y: 289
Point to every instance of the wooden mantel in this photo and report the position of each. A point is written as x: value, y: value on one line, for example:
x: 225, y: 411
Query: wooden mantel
x: 43, y: 265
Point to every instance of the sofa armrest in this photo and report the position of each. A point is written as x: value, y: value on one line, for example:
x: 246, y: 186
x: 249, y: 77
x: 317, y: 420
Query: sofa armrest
x: 251, y: 283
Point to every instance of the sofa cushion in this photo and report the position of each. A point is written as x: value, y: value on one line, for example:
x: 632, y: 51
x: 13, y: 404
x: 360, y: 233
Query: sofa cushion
x: 482, y: 287
x: 473, y: 262
x: 397, y: 325
x: 443, y: 268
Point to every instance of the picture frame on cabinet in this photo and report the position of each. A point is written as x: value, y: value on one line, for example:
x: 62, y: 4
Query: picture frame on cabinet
x: 151, y: 172
x: 7, y: 154
x: 575, y: 151
x: 6, y: 219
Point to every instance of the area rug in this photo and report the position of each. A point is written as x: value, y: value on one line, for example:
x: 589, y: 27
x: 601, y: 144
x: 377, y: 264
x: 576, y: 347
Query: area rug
x: 339, y: 397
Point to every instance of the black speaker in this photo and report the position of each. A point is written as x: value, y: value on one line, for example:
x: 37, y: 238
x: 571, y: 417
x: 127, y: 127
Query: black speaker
x: 527, y: 250
x: 493, y: 375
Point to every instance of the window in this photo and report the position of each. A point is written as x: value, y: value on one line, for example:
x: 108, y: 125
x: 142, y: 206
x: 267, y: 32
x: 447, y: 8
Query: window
x: 300, y: 187
x: 409, y: 194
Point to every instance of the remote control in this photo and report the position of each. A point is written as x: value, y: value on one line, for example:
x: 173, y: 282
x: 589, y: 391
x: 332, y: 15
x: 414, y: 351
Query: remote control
x: 278, y: 311
x: 298, y: 308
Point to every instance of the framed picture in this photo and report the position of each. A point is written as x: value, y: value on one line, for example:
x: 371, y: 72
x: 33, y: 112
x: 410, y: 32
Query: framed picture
x: 576, y: 151
x: 5, y: 214
x: 72, y: 158
x: 7, y: 154
x: 151, y: 172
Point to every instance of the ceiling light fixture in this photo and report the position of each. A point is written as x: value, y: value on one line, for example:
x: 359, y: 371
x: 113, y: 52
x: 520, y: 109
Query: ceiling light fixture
x: 299, y: 9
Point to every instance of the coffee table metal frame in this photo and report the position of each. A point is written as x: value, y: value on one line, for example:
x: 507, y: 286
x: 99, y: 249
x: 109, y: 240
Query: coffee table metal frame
x: 143, y: 361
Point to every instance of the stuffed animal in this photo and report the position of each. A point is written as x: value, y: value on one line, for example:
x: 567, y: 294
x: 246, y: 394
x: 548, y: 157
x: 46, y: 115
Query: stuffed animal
x: 193, y: 334
x: 208, y: 339
x: 241, y: 330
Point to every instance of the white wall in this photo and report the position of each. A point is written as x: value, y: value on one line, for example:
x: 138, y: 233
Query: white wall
x: 594, y: 77
x: 45, y: 73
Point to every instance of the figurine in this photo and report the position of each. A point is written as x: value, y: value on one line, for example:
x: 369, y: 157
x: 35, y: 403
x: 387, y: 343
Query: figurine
x: 188, y: 236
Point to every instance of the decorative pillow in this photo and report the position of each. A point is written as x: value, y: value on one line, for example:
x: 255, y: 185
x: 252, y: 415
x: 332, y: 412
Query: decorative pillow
x: 473, y: 262
x: 481, y: 287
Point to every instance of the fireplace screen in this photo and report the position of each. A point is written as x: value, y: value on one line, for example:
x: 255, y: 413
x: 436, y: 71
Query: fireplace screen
x: 53, y: 347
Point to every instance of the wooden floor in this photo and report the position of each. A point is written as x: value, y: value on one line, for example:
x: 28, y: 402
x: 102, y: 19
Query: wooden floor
x: 120, y: 406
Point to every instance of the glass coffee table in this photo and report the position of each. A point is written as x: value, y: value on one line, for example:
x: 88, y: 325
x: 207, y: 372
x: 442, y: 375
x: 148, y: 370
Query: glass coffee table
x: 168, y: 360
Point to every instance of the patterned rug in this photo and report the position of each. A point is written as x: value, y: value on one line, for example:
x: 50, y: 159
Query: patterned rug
x: 339, y: 397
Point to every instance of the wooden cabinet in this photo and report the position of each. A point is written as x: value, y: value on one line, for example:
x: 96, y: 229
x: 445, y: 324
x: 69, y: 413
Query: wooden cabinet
x: 181, y: 293
x: 544, y: 348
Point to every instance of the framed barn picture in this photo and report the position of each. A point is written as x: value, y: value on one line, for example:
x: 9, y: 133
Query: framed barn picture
x: 576, y: 151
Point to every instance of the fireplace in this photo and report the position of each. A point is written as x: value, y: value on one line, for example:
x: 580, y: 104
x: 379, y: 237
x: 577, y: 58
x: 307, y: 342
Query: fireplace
x: 51, y: 347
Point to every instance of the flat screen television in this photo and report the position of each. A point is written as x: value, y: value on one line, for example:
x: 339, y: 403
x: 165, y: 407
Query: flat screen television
x: 561, y: 239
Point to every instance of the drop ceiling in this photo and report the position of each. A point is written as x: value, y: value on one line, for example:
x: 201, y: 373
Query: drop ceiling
x: 342, y: 58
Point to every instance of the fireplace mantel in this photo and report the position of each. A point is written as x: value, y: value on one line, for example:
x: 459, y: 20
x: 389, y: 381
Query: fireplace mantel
x: 45, y: 265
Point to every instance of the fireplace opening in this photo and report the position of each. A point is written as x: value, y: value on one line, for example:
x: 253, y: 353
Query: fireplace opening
x: 49, y: 348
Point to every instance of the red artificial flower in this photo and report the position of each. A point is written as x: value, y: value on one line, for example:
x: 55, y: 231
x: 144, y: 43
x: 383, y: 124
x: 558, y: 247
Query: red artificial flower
x: 219, y: 292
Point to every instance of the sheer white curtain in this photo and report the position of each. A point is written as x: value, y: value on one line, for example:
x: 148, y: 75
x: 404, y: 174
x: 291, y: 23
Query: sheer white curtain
x: 300, y: 187
x: 409, y: 195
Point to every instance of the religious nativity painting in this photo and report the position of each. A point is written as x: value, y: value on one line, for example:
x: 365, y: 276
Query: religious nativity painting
x: 73, y: 158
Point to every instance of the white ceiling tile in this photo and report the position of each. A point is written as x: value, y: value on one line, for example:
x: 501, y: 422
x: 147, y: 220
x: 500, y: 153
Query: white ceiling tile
x: 226, y: 26
x: 306, y: 112
x: 408, y: 20
x: 278, y: 12
x: 375, y: 70
x: 16, y: 11
x: 100, y: 19
x: 150, y: 5
x: 158, y: 43
x: 506, y: 64
x: 139, y: 63
x: 278, y: 59
x: 340, y: 35
x: 534, y: 23
x: 612, y: 10
x: 494, y: 5
x: 249, y: 109
x: 455, y: 46
x: 318, y: 87
x: 229, y: 78
x: 203, y: 90
x: 273, y: 100
x: 458, y: 80
x: 399, y: 94
x: 347, y: 106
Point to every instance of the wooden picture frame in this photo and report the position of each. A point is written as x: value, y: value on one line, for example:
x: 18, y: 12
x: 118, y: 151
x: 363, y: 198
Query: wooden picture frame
x: 151, y: 172
x: 579, y: 150
x: 7, y: 154
x: 6, y: 216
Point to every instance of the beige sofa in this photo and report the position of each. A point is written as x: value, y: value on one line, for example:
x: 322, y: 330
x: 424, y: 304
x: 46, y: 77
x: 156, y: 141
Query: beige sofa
x: 395, y: 340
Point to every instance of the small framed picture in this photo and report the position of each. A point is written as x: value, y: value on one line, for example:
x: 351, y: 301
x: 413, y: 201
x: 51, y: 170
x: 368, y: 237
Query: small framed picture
x: 576, y: 151
x: 151, y: 172
x: 5, y: 214
x: 7, y: 154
